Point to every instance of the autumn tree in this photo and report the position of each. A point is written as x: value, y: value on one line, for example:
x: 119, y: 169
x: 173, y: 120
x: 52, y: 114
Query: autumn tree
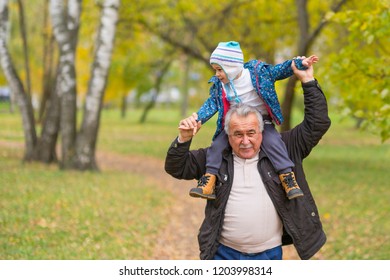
x: 359, y: 71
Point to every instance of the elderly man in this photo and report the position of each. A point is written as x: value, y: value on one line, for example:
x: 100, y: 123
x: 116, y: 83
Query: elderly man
x: 251, y: 218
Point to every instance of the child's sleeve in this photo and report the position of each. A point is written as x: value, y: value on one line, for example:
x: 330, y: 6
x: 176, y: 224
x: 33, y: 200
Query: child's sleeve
x: 283, y: 70
x: 208, y: 109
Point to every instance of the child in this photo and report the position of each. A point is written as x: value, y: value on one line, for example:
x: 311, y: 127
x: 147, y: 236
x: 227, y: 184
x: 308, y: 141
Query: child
x: 252, y: 83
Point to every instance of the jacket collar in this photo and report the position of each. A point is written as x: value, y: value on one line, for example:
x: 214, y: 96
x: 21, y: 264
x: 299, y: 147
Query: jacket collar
x: 214, y: 80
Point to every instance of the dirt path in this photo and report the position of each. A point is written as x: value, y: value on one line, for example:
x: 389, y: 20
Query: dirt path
x: 178, y: 241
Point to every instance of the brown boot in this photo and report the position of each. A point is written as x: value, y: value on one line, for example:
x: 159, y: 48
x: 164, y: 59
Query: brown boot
x: 290, y: 185
x: 205, y: 188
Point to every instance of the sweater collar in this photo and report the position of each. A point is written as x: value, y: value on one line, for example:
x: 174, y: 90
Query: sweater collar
x: 242, y: 161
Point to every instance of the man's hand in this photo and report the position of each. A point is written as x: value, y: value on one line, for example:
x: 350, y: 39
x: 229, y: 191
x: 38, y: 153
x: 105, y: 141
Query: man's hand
x: 188, y: 127
x: 303, y: 75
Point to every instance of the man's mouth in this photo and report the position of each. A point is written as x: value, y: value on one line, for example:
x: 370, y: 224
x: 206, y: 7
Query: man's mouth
x: 246, y: 146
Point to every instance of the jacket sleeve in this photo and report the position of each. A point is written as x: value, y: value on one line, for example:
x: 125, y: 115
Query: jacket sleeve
x: 210, y: 106
x: 304, y: 137
x: 182, y: 163
x: 283, y: 70
x: 208, y: 109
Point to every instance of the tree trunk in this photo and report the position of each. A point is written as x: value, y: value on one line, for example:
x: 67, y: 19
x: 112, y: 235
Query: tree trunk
x: 48, y: 78
x: 123, y: 106
x: 66, y: 26
x: 185, y: 86
x: 157, y: 86
x: 306, y: 39
x: 46, y: 148
x: 287, y: 103
x: 86, y: 138
x: 16, y: 86
x: 25, y: 47
x: 303, y: 23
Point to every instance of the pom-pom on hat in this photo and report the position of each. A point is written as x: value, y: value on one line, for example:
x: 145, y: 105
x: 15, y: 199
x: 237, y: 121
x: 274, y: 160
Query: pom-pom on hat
x: 229, y: 56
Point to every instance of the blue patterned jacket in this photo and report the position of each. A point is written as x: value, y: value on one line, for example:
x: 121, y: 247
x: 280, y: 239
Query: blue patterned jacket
x: 263, y: 78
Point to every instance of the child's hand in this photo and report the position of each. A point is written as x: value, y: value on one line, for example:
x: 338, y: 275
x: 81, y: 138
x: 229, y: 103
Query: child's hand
x: 309, y: 61
x: 188, y: 127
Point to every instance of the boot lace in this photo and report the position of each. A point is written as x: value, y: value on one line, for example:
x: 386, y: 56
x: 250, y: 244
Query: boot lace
x: 203, y: 181
x: 289, y: 181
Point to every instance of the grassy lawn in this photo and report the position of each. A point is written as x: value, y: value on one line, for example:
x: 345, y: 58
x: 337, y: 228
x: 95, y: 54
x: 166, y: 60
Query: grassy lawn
x: 349, y: 177
x: 49, y: 214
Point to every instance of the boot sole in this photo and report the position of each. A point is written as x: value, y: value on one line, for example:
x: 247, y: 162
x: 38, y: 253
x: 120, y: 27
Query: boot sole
x: 295, y: 195
x: 204, y: 196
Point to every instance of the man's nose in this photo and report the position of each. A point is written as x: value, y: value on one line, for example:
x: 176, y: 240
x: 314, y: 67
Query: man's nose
x: 245, y: 139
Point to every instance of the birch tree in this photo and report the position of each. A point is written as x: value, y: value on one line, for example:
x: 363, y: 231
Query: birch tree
x: 65, y: 19
x: 87, y: 136
x: 78, y: 149
x: 16, y: 85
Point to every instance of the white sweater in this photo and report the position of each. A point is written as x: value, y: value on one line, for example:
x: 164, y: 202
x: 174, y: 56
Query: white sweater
x: 251, y: 223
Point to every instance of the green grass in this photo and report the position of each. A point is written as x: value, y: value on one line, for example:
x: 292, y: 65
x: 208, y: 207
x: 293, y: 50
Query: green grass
x: 348, y: 173
x: 49, y: 214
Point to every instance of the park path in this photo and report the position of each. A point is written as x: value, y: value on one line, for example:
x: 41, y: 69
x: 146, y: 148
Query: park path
x: 178, y: 241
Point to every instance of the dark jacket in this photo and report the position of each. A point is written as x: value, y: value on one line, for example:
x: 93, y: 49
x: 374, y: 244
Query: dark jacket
x: 301, y: 221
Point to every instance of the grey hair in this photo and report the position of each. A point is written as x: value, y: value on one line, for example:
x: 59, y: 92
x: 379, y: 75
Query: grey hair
x: 242, y: 110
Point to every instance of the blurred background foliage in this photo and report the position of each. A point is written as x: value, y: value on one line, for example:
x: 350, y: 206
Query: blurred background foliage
x: 162, y: 50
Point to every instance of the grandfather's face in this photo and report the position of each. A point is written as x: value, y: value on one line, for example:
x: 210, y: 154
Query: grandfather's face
x: 245, y: 136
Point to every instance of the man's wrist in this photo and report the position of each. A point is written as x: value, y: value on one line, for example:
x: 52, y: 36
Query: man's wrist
x: 183, y: 139
x: 308, y: 80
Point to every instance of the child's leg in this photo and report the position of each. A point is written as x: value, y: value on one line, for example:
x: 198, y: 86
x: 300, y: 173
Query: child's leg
x: 214, y: 153
x: 206, y: 184
x: 276, y: 151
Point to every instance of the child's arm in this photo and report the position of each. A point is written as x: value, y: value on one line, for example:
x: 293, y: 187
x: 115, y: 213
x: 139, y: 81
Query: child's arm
x: 283, y: 70
x: 208, y: 109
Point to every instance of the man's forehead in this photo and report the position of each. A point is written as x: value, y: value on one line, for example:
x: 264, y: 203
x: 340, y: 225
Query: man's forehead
x: 244, y: 131
x: 244, y: 123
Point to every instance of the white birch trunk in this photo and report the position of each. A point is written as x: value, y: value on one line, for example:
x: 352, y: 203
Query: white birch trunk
x: 87, y: 136
x: 16, y: 86
x: 66, y: 26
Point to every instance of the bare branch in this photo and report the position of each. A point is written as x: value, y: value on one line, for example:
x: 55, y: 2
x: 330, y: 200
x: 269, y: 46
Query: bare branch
x: 336, y: 8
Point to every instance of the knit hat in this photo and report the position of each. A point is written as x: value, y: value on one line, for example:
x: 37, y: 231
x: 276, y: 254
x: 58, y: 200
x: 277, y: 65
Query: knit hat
x: 229, y: 56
